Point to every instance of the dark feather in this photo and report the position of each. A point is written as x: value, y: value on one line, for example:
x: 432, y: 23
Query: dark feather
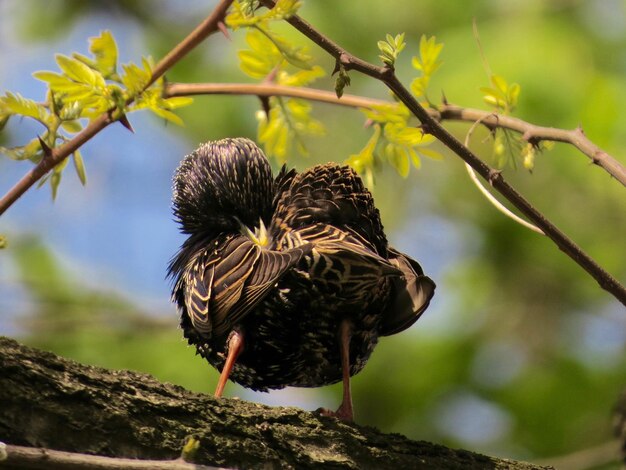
x: 323, y: 259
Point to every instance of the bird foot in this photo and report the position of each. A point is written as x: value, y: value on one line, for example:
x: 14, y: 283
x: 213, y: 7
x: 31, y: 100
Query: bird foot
x: 344, y: 413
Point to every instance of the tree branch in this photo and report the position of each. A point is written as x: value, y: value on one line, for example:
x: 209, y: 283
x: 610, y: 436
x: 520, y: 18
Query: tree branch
x: 430, y: 125
x: 446, y: 112
x: 55, y: 403
x: 268, y: 90
x: 534, y: 134
x: 593, y: 457
x: 58, y: 154
x: 40, y: 458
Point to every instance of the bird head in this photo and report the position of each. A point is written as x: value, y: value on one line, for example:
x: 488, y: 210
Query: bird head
x: 222, y: 185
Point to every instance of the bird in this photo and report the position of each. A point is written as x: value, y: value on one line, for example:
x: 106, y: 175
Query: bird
x: 286, y: 280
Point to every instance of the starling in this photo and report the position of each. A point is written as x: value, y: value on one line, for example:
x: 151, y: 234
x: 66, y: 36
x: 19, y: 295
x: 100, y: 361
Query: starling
x: 286, y: 281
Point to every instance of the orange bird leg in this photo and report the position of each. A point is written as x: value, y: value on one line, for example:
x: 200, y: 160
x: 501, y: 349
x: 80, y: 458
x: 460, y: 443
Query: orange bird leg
x: 345, y: 411
x: 235, y: 346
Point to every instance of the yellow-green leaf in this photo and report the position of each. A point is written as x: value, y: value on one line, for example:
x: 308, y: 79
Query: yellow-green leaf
x: 178, y: 101
x: 415, y: 159
x: 55, y: 180
x: 12, y: 103
x: 134, y: 78
x: 79, y: 166
x: 73, y: 126
x: 301, y: 77
x: 513, y: 94
x: 253, y: 65
x: 398, y: 158
x: 499, y: 83
x: 79, y: 72
x: 430, y: 153
x: 167, y: 115
x: 104, y: 49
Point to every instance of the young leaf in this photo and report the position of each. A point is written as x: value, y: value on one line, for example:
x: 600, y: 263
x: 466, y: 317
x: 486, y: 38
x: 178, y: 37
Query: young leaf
x: 16, y: 104
x: 167, y: 115
x: 104, y: 49
x: 79, y: 166
x: 342, y: 81
x: 398, y: 158
x: 79, y: 72
x: 55, y: 180
x: 178, y: 102
x: 301, y: 77
x: 427, y: 63
x: 364, y: 160
x: 391, y: 48
x: 73, y: 126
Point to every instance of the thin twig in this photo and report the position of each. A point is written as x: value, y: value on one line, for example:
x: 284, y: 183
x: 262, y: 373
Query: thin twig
x: 39, y: 458
x: 445, y: 112
x: 433, y: 127
x: 58, y: 154
x: 534, y: 134
x: 490, y: 197
x: 269, y: 90
x: 593, y: 457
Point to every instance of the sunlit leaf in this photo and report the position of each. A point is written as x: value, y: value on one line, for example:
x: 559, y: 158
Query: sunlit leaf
x: 79, y: 72
x: 398, y: 158
x: 395, y: 112
x: 295, y: 55
x: 415, y: 159
x: 57, y: 81
x: 134, y: 78
x: 79, y: 166
x: 55, y: 180
x: 72, y: 126
x: 430, y: 153
x: 167, y: 115
x: 14, y: 103
x: 365, y: 158
x: 301, y: 77
x: 104, y: 49
x: 178, y: 101
x: 254, y: 65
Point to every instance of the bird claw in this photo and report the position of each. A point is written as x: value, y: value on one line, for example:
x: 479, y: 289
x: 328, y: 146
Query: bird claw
x: 342, y: 413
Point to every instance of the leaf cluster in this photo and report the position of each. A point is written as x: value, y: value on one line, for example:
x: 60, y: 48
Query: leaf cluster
x: 390, y: 48
x: 394, y: 141
x: 427, y: 63
x: 508, y: 147
x: 83, y: 89
x: 284, y: 121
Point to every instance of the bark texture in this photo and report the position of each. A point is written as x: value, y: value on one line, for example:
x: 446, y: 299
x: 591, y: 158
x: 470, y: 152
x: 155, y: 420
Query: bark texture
x: 52, y: 402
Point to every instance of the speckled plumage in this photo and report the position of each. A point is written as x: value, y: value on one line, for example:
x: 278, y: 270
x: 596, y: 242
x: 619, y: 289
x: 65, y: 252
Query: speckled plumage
x: 285, y: 261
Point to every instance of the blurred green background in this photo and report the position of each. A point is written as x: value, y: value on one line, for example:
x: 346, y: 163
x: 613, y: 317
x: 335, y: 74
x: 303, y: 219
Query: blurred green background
x: 520, y: 355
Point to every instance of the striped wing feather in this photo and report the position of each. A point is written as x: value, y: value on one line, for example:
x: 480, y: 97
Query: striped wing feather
x: 233, y: 282
x: 412, y: 293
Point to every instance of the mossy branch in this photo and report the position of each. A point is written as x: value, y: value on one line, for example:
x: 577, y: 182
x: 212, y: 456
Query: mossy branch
x: 51, y: 403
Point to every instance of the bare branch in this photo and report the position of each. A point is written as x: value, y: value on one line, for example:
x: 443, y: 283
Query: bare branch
x: 593, y: 457
x: 268, y: 90
x: 445, y: 112
x: 37, y: 457
x: 535, y: 134
x: 490, y: 197
x: 58, y: 154
x: 432, y: 126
